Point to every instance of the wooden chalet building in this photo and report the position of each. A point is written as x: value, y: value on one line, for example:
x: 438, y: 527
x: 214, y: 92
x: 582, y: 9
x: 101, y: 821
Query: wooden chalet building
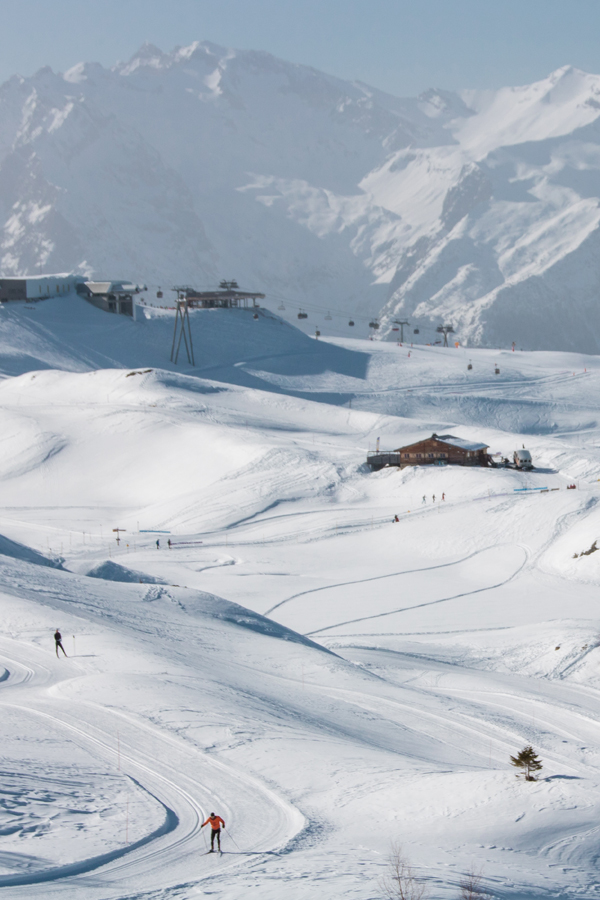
x: 439, y: 449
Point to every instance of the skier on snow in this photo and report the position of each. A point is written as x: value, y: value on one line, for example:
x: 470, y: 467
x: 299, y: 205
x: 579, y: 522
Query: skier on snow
x: 58, y: 642
x: 215, y: 830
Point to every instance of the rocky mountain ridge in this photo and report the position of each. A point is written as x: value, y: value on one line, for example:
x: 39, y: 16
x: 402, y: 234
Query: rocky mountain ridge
x: 480, y: 210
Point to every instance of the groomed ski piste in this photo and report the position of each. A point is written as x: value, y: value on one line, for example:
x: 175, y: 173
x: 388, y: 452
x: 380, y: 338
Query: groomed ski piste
x: 329, y: 681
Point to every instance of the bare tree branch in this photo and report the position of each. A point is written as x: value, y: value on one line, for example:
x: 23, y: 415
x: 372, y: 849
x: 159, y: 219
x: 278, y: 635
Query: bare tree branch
x: 471, y: 887
x: 400, y: 881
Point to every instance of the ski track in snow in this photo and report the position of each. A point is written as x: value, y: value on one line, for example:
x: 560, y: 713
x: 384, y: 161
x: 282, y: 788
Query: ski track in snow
x: 177, y: 845
x: 402, y: 609
x: 394, y: 575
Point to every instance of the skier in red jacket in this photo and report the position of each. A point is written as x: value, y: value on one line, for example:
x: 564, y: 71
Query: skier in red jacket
x: 216, y: 822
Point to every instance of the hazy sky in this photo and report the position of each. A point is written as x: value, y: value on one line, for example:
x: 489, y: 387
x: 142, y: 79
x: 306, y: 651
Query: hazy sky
x: 399, y: 46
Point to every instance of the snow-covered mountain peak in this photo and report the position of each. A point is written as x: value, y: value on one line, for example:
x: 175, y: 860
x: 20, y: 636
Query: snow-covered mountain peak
x: 148, y: 56
x: 86, y: 71
x: 207, y: 162
x: 76, y: 73
x: 200, y: 51
x: 437, y: 103
x: 561, y: 103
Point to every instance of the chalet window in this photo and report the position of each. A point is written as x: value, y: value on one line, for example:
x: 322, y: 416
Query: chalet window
x: 430, y: 455
x: 443, y: 455
x: 418, y: 455
x: 406, y: 455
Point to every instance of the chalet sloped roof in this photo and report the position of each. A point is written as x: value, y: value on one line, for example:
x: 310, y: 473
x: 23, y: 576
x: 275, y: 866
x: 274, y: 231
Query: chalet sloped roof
x: 460, y: 442
x: 452, y: 441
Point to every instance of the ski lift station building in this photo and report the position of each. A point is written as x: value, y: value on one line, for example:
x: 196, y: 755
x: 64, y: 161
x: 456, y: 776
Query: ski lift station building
x: 37, y: 287
x: 110, y: 296
x: 228, y: 296
x: 439, y: 449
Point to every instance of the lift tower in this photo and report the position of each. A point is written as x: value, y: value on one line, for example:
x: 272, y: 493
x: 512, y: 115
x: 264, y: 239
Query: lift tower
x: 445, y: 330
x: 401, y: 323
x: 182, y: 319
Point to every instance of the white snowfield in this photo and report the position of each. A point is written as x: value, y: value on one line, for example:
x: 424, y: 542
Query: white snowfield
x: 326, y: 679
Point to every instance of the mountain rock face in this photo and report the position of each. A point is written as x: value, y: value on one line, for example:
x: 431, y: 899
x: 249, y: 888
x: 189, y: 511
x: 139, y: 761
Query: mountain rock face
x: 479, y: 210
x: 504, y: 218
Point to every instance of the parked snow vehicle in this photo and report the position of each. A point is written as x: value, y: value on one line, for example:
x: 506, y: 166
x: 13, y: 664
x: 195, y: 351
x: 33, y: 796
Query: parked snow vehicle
x: 522, y: 459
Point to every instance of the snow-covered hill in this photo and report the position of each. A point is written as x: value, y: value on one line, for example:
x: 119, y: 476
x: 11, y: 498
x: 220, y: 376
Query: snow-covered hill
x: 479, y: 210
x: 294, y: 658
x: 333, y: 659
x: 230, y: 346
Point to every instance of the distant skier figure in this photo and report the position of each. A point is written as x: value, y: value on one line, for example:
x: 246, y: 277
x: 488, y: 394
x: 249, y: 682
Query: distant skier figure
x: 433, y: 498
x: 157, y: 544
x: 424, y: 499
x: 169, y: 543
x: 443, y: 496
x: 215, y: 830
x: 58, y: 642
x: 396, y: 519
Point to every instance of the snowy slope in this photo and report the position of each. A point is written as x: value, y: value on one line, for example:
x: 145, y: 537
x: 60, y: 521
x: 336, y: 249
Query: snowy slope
x: 230, y: 345
x: 263, y: 639
x: 295, y: 660
x: 479, y: 210
x: 505, y: 219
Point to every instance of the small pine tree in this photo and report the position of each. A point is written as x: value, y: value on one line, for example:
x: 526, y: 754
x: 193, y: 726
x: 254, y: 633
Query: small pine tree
x: 528, y: 761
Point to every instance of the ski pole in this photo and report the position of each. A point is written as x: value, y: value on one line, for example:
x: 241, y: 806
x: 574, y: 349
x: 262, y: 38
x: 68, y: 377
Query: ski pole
x: 205, y: 838
x: 233, y: 839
